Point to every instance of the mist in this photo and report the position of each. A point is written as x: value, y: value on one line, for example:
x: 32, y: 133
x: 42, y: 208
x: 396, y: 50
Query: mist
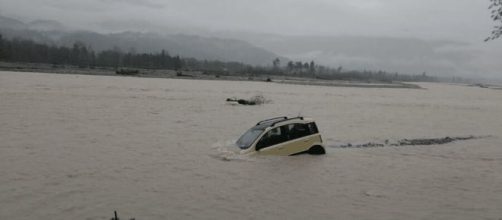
x: 441, y: 38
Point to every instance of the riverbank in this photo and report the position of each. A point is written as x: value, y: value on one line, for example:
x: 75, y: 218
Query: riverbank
x: 198, y: 75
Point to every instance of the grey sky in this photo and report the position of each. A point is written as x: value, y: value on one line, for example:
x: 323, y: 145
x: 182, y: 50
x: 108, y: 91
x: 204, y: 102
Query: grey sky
x: 453, y: 20
x: 466, y: 20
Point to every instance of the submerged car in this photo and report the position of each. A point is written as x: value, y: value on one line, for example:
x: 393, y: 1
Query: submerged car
x: 282, y: 136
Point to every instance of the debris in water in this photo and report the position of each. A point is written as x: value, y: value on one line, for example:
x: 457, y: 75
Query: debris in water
x: 409, y: 142
x: 129, y: 72
x: 255, y: 100
x: 433, y: 141
x: 117, y: 218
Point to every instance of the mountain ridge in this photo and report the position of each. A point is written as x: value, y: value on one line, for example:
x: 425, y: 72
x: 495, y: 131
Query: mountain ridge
x: 193, y: 46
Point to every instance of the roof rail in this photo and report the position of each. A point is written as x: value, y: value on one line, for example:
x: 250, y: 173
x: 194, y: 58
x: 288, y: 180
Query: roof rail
x: 270, y: 119
x: 286, y: 119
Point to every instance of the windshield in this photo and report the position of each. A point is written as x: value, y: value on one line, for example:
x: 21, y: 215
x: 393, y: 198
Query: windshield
x: 248, y: 138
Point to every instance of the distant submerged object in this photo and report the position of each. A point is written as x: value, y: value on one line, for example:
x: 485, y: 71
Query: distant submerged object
x: 128, y: 72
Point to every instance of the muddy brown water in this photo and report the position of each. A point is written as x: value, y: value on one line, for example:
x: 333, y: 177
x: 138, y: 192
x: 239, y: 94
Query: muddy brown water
x: 80, y: 147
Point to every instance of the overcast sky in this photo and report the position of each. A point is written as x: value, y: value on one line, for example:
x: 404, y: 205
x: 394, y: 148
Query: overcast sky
x: 466, y: 20
x: 453, y: 20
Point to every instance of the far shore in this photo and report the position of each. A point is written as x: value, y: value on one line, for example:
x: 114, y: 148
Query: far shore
x: 199, y: 75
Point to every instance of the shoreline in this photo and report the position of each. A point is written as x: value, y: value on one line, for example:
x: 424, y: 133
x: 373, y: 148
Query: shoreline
x: 197, y: 75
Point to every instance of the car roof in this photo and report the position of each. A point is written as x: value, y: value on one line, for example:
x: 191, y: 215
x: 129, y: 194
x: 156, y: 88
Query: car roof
x: 281, y: 121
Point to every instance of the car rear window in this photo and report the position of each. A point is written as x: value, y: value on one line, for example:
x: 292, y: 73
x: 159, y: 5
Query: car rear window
x: 313, y: 128
x: 299, y: 130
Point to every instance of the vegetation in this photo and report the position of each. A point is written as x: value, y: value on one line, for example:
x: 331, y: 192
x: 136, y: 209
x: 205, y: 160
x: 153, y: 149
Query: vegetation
x: 496, y: 11
x: 82, y: 56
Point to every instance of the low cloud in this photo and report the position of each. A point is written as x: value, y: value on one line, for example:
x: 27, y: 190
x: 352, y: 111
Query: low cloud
x: 141, y: 3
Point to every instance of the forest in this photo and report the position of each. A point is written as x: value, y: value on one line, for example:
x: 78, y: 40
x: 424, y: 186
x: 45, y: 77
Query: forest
x: 81, y: 55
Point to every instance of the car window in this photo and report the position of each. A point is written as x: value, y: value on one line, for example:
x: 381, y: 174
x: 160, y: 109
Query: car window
x: 313, y: 128
x: 298, y: 131
x: 248, y: 138
x: 272, y: 137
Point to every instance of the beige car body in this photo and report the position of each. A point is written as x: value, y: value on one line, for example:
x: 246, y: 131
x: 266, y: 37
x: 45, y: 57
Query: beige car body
x: 290, y: 147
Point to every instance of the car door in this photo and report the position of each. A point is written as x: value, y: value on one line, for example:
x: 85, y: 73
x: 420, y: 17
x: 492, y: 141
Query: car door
x: 300, y: 138
x: 272, y: 142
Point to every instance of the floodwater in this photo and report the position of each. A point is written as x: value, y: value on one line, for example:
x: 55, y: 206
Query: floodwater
x: 80, y: 147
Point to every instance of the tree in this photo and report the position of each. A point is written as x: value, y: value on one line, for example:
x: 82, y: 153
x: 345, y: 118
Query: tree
x: 496, y: 11
x: 312, y: 67
x: 298, y: 66
x: 1, y: 47
x: 276, y: 63
x: 177, y: 63
x: 339, y: 69
x: 164, y: 59
x: 291, y: 66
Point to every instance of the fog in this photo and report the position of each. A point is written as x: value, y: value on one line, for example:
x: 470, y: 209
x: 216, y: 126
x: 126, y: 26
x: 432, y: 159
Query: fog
x: 463, y: 24
x: 464, y: 20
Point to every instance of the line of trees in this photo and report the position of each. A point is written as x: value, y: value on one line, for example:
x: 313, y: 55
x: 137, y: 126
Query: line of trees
x: 83, y: 56
x: 19, y: 50
x: 80, y: 55
x: 311, y: 69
